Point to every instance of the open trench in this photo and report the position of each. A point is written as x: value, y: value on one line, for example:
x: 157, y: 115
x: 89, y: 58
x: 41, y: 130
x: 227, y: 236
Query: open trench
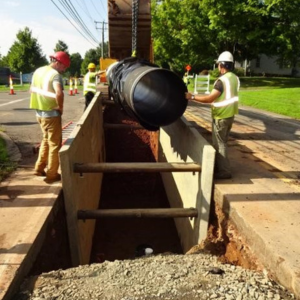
x: 119, y: 238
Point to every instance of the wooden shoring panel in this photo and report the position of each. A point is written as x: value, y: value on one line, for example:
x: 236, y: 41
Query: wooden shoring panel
x: 85, y: 144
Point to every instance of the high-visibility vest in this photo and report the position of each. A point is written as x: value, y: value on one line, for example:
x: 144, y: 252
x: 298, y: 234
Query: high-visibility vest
x: 89, y: 83
x: 43, y: 95
x: 226, y: 105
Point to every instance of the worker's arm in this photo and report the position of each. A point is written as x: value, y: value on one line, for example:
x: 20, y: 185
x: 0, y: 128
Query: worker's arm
x: 100, y: 72
x: 59, y: 96
x: 204, y: 98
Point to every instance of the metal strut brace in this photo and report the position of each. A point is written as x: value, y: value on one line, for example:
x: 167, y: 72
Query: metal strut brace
x: 135, y: 12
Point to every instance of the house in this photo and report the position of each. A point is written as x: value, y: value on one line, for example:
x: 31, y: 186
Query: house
x: 269, y: 66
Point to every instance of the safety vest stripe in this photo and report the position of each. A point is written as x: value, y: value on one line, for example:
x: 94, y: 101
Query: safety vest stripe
x: 43, y: 92
x: 227, y: 89
x: 225, y: 102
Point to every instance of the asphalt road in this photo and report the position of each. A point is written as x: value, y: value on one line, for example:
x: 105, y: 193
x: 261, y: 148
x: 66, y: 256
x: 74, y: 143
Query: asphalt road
x: 19, y: 122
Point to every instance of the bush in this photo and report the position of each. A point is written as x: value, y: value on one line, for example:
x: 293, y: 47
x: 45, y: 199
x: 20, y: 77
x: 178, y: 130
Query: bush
x: 6, y: 166
x: 214, y: 73
x: 204, y: 72
x: 240, y: 72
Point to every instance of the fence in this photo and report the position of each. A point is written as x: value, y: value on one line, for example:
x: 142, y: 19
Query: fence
x: 201, y: 84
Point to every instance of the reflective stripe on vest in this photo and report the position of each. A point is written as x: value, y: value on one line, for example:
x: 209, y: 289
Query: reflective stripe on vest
x: 229, y: 99
x: 226, y: 102
x: 226, y: 105
x: 43, y: 92
x: 43, y: 96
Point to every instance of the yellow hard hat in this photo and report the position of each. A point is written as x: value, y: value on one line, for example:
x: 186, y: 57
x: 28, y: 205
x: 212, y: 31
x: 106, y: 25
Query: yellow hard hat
x: 91, y: 66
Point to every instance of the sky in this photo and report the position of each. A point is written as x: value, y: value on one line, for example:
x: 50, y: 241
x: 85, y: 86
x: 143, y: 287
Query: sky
x: 48, y: 24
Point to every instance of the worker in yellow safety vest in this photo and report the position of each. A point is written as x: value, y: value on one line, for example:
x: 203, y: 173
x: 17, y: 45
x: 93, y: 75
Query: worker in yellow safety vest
x: 47, y: 98
x: 89, y: 85
x: 186, y: 79
x: 224, y: 106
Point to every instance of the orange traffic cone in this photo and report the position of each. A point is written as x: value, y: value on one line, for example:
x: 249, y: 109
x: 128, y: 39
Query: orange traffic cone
x: 11, y: 88
x: 71, y: 87
x: 75, y: 86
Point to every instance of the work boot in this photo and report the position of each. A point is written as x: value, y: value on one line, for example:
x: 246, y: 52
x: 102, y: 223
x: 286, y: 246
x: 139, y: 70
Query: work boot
x: 39, y: 173
x: 50, y: 180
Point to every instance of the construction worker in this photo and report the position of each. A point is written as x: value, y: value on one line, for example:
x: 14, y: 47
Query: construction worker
x: 47, y: 98
x: 89, y: 86
x: 186, y: 79
x: 224, y: 105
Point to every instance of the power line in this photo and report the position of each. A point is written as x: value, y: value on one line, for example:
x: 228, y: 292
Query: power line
x: 76, y: 17
x: 71, y: 22
x: 97, y: 9
x: 86, y: 11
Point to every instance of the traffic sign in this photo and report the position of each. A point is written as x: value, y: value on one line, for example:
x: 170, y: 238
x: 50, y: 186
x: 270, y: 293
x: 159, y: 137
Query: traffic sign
x: 188, y: 67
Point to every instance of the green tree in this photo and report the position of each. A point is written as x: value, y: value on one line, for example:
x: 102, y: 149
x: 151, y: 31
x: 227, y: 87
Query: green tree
x: 181, y: 35
x: 239, y: 26
x: 285, y: 30
x: 91, y: 56
x: 4, y: 61
x: 76, y: 61
x: 105, y: 49
x: 195, y: 32
x: 61, y: 46
x: 25, y: 55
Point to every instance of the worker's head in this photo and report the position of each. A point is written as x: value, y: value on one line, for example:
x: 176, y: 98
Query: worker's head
x: 60, y: 61
x: 92, y: 67
x: 225, y: 61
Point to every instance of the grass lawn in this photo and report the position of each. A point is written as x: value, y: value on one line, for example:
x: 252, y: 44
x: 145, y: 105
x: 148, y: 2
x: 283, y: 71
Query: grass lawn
x: 284, y: 101
x: 6, y: 167
x: 17, y: 87
x: 279, y: 95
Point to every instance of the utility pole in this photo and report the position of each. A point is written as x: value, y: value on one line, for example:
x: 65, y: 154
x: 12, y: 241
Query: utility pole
x: 102, y: 27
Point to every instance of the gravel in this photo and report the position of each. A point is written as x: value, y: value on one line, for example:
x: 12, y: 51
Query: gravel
x: 185, y: 277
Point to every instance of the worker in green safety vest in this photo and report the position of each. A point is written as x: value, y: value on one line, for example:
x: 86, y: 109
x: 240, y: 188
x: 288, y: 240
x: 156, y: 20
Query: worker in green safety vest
x: 47, y: 98
x: 224, y: 106
x: 89, y: 85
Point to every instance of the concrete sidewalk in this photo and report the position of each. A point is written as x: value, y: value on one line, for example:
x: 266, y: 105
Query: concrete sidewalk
x: 26, y: 203
x: 265, y: 208
x: 266, y: 211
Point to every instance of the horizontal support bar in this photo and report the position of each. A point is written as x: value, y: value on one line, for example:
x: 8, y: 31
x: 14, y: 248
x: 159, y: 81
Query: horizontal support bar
x: 135, y: 167
x: 122, y: 126
x: 138, y: 213
x: 108, y: 102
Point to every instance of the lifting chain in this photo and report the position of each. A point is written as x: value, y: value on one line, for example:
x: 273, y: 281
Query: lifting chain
x: 135, y: 13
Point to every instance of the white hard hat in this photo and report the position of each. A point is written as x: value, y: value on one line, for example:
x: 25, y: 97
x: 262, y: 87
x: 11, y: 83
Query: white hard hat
x: 225, y: 56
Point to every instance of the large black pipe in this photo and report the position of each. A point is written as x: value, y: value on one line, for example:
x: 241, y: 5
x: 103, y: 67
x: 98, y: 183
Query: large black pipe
x: 152, y: 95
